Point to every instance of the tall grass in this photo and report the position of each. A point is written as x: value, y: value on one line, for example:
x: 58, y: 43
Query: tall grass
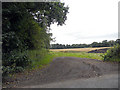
x: 37, y: 57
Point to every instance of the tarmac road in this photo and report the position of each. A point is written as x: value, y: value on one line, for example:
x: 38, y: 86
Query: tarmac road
x: 106, y: 81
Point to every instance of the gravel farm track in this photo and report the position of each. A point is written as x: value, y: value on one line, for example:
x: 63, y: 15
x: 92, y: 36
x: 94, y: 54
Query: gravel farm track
x: 64, y: 69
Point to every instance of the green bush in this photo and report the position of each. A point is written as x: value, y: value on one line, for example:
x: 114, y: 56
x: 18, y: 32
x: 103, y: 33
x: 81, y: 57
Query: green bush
x: 15, y: 62
x: 113, y: 54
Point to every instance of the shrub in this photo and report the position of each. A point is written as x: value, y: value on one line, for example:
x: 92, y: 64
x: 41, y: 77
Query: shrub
x: 113, y: 54
x: 15, y: 62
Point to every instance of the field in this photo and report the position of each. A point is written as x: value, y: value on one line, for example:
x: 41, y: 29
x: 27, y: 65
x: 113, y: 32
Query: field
x: 78, y: 49
x: 39, y: 61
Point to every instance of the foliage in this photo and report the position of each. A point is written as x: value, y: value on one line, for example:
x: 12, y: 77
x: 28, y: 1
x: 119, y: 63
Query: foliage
x: 26, y: 27
x: 15, y: 62
x: 113, y: 54
x: 37, y: 57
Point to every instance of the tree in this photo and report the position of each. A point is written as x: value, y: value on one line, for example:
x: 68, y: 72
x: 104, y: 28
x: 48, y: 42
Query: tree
x: 26, y: 26
x: 94, y: 44
x: 118, y: 41
x: 105, y: 44
x: 17, y: 17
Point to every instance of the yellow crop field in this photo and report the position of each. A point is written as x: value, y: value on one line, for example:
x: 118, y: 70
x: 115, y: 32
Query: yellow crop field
x: 78, y: 49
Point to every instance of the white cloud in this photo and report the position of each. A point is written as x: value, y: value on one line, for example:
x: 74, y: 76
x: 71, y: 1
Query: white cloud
x: 88, y: 21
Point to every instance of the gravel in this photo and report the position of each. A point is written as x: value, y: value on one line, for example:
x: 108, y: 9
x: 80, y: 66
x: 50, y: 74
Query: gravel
x: 62, y: 69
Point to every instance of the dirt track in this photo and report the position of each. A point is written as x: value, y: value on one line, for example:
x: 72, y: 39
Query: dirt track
x: 66, y: 68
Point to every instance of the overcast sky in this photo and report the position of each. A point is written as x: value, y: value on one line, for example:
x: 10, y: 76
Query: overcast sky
x: 88, y: 21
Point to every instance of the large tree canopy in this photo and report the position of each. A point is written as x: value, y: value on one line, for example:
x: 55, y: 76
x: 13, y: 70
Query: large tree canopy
x: 25, y: 18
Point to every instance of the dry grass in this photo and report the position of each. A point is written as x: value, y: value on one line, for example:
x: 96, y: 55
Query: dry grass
x: 78, y: 49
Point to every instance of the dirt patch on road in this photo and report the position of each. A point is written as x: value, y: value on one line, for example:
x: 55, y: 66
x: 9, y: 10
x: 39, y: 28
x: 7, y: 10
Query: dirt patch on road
x: 65, y: 68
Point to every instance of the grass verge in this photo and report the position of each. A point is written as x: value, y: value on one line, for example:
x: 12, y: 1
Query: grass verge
x: 41, y: 59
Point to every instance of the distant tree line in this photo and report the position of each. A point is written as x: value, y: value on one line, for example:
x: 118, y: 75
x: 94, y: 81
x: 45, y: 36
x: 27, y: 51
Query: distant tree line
x: 104, y: 43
